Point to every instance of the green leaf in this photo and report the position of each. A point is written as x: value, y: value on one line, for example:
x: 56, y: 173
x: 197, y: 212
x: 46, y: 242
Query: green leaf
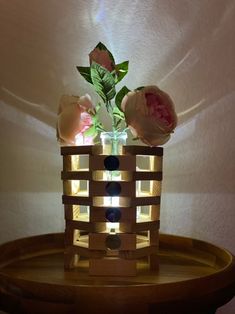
x: 91, y: 131
x: 118, y: 113
x: 101, y: 46
x: 99, y: 127
x: 118, y: 123
x: 139, y: 88
x: 121, y: 70
x: 85, y: 72
x: 95, y: 119
x: 118, y: 99
x: 103, y: 82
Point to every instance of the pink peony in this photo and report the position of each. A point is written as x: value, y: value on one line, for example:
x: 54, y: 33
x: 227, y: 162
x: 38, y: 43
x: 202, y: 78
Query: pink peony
x: 150, y: 115
x: 103, y: 58
x: 73, y: 118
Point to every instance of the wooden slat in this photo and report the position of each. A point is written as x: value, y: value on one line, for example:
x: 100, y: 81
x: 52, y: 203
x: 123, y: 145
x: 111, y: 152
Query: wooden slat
x: 76, y: 175
x: 147, y: 200
x: 125, y: 255
x: 77, y: 200
x: 155, y: 188
x: 76, y: 150
x: 98, y: 213
x: 67, y: 187
x: 68, y: 212
x: 123, y: 201
x: 97, y: 188
x: 155, y: 212
x: 86, y: 226
x: 97, y: 150
x: 143, y: 150
x: 68, y: 236
x: 156, y: 163
x: 141, y: 226
x: 97, y: 241
x: 147, y: 175
x: 125, y: 162
x: 67, y: 163
x: 85, y: 252
x: 154, y: 237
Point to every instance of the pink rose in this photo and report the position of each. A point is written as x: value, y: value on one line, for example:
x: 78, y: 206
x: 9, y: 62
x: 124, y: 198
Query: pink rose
x: 150, y: 115
x: 103, y: 58
x: 73, y: 118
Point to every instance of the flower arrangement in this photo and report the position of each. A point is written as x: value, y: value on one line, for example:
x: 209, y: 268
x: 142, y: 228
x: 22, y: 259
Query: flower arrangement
x: 147, y: 111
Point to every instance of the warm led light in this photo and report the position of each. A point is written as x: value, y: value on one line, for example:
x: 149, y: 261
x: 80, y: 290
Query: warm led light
x: 75, y: 186
x: 75, y: 162
x: 112, y: 227
x: 112, y: 201
x: 151, y: 161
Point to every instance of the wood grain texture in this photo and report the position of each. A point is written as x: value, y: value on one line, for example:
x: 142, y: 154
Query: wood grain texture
x: 116, y: 266
x: 192, y: 275
x: 86, y: 226
x: 85, y: 182
x: 147, y: 175
x: 145, y: 200
x: 76, y: 175
x: 97, y: 241
x: 142, y: 150
x: 128, y: 214
x: 141, y: 226
x: 76, y: 150
x: 97, y: 188
x: 76, y: 200
x: 96, y: 162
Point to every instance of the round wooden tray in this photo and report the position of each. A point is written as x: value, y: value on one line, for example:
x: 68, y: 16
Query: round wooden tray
x: 193, y: 277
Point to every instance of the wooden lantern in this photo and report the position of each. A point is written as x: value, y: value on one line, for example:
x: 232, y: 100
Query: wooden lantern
x: 112, y: 207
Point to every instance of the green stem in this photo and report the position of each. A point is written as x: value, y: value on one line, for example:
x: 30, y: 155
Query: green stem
x: 109, y: 108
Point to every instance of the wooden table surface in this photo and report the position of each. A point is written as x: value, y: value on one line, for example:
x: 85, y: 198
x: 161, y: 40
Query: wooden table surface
x: 193, y: 277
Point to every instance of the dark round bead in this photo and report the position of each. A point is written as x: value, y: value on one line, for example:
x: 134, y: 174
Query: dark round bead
x: 111, y: 163
x: 113, y: 188
x: 113, y: 214
x: 113, y: 242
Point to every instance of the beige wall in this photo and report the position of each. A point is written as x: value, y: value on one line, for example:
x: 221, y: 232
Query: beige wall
x: 186, y: 47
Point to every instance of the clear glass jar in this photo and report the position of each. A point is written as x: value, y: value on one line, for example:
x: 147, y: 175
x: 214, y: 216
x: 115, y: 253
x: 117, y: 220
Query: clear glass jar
x: 112, y: 142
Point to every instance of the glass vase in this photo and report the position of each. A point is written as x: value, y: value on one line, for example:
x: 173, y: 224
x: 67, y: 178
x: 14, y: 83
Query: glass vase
x: 112, y: 142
